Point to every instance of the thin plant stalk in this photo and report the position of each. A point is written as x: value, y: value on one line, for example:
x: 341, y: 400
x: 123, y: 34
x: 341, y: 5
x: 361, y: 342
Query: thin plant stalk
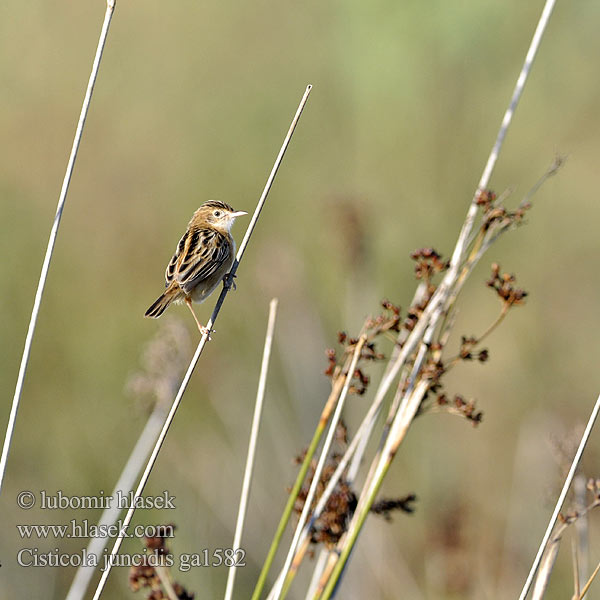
x: 124, y: 485
x: 260, y: 395
x: 289, y: 507
x: 561, y: 498
x: 200, y: 348
x: 582, y: 526
x: 287, y: 512
x: 165, y: 580
x: 435, y: 308
x: 397, y: 434
x: 363, y: 429
x: 280, y: 592
x: 401, y: 400
x: 358, y: 443
x: 495, y: 153
x: 575, y: 567
x: 301, y: 550
x: 110, y: 7
x: 589, y: 582
x: 376, y: 407
x: 317, y: 573
x: 518, y: 91
x: 547, y: 564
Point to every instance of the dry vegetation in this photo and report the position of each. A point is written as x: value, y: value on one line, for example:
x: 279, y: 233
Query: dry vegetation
x: 390, y: 493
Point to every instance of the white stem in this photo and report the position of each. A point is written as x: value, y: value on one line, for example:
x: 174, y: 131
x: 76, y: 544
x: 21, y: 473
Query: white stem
x: 317, y: 573
x: 125, y: 484
x: 432, y: 311
x: 260, y: 395
x: 320, y: 465
x: 561, y: 498
x: 195, y: 358
x: 52, y: 241
x: 517, y: 92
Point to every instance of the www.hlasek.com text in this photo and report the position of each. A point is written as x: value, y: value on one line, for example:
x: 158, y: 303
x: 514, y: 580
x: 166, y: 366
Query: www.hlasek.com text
x: 84, y: 529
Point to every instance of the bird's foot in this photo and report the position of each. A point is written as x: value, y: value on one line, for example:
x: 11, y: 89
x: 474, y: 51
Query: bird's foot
x: 206, y: 331
x: 229, y: 281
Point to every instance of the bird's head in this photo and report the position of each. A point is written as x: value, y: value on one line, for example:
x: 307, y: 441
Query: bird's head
x: 217, y: 214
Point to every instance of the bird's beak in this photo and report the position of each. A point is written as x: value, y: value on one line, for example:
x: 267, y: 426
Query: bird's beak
x: 238, y: 213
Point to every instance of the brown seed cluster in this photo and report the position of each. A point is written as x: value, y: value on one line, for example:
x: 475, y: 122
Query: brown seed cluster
x: 332, y: 360
x: 429, y: 263
x: 466, y: 351
x: 458, y: 405
x: 497, y: 215
x: 503, y: 284
x: 363, y: 383
x: 386, y: 321
x: 413, y: 314
x: 434, y: 366
x: 179, y: 590
x: 333, y: 521
x: 386, y: 506
x: 369, y: 352
x: 145, y: 575
x: 572, y: 514
x: 340, y: 507
x: 159, y: 541
x: 593, y: 486
x: 485, y: 198
x: 433, y: 370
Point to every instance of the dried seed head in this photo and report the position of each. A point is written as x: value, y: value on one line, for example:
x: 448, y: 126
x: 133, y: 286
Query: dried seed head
x: 503, y: 285
x: 387, y: 505
x: 429, y: 262
x: 485, y: 198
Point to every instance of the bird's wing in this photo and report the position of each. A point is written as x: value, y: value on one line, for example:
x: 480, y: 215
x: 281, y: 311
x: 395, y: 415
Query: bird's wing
x: 200, y: 254
x: 171, y: 270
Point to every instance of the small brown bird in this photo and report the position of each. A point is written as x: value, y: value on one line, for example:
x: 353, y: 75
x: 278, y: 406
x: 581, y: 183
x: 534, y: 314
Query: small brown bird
x: 202, y: 259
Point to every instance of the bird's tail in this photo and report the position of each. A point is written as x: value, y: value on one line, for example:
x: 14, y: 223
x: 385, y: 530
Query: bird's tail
x: 162, y: 303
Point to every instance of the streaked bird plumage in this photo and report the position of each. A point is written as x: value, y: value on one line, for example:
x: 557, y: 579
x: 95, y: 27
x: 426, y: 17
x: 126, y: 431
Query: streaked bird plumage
x: 203, y: 257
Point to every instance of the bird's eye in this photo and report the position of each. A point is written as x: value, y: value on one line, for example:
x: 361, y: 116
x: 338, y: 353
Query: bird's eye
x: 217, y: 213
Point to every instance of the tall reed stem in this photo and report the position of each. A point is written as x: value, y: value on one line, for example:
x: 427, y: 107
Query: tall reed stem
x: 110, y: 7
x: 203, y: 340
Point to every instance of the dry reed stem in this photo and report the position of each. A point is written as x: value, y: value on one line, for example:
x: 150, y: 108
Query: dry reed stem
x: 279, y: 593
x: 317, y: 573
x: 589, y: 582
x: 200, y: 348
x: 52, y: 240
x: 260, y: 396
x: 553, y: 546
x: 437, y: 307
x: 398, y: 431
x: 543, y: 578
x: 575, y: 558
x: 359, y: 441
x: 159, y: 376
x: 124, y: 486
x: 582, y: 527
x: 369, y: 421
x: 561, y: 498
x: 338, y: 383
x: 165, y: 580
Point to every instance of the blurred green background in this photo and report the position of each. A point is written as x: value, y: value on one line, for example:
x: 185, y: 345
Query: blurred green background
x: 192, y: 103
